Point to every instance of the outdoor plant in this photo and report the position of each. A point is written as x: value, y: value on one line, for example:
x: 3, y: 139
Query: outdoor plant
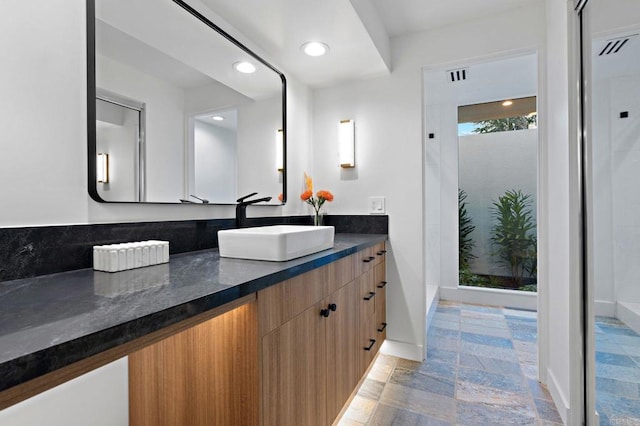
x: 465, y: 228
x: 514, y: 234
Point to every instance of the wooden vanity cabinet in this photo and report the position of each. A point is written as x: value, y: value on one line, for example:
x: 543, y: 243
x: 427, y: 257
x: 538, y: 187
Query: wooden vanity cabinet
x: 312, y: 360
x: 290, y: 354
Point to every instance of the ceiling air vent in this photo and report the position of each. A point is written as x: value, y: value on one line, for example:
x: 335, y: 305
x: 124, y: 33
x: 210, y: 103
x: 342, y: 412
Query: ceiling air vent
x: 458, y: 75
x: 614, y: 45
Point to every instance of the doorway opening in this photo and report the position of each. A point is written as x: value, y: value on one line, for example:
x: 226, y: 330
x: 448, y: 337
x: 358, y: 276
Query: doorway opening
x: 497, y: 193
x: 481, y: 172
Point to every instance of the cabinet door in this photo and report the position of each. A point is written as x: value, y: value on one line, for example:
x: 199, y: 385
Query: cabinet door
x: 381, y: 301
x: 341, y: 346
x: 294, y: 371
x: 205, y: 375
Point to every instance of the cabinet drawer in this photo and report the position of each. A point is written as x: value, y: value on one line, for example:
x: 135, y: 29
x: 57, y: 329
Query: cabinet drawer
x: 369, y: 344
x: 366, y: 296
x: 381, y: 302
x: 379, y: 251
x: 341, y: 272
x: 281, y: 302
x: 364, y: 260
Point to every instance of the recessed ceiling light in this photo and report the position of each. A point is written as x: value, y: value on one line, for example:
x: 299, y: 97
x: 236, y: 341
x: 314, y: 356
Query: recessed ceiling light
x: 314, y: 48
x: 507, y: 103
x: 244, y: 67
x: 217, y: 118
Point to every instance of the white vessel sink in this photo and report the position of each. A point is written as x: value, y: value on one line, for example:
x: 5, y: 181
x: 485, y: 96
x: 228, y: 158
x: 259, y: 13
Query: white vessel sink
x: 276, y: 243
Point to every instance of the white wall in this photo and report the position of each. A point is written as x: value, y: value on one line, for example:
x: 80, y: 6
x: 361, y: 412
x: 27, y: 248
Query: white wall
x: 215, y: 166
x: 98, y: 398
x: 615, y: 206
x: 42, y: 167
x: 117, y: 130
x: 258, y: 123
x: 489, y: 165
x: 602, y: 234
x: 164, y: 126
x: 559, y: 219
x: 389, y: 153
x: 625, y: 156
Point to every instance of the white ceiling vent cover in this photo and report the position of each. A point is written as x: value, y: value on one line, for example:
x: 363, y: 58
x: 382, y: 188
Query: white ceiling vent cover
x: 615, y: 44
x: 459, y: 74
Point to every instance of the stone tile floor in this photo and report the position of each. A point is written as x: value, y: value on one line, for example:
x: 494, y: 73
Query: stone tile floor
x: 617, y: 373
x: 481, y: 369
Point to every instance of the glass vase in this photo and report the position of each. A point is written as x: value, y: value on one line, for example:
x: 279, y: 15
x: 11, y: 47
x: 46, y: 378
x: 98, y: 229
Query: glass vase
x: 317, y: 218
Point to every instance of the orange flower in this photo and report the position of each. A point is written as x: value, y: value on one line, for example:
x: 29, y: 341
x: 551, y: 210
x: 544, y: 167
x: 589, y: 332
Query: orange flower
x: 326, y: 195
x: 306, y: 195
x: 308, y: 182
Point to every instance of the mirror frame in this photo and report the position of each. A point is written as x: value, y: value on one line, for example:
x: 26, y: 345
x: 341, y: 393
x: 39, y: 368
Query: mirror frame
x: 91, y: 103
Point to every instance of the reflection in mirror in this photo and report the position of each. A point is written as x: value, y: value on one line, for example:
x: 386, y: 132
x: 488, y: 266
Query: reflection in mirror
x: 176, y: 119
x: 611, y: 53
x: 119, y: 136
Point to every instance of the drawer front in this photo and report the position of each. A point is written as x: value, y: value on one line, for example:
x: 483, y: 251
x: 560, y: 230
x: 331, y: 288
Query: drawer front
x: 341, y: 272
x: 369, y: 344
x: 281, y: 302
x: 379, y: 251
x: 366, y: 296
x: 364, y: 260
x: 381, y: 302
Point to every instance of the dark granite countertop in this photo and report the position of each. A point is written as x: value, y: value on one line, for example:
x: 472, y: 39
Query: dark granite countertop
x: 51, y: 321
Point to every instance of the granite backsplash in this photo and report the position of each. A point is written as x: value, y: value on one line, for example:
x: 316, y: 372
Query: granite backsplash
x: 42, y: 250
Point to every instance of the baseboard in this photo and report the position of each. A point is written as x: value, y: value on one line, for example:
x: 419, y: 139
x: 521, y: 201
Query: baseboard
x: 558, y: 397
x: 403, y: 350
x: 605, y: 308
x: 491, y: 296
x: 629, y: 313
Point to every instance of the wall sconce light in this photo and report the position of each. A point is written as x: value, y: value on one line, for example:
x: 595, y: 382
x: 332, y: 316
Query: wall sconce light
x: 102, y: 169
x: 279, y: 150
x: 347, y: 145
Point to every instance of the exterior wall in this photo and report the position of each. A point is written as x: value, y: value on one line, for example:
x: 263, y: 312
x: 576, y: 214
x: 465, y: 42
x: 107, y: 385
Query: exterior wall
x: 489, y: 165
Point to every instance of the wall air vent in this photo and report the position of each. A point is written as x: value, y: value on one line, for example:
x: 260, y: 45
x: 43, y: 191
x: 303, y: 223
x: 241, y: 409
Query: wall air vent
x: 458, y: 75
x: 615, y: 44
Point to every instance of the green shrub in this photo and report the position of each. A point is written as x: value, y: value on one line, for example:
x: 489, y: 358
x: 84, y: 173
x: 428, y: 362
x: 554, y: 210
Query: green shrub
x: 465, y: 228
x: 514, y: 234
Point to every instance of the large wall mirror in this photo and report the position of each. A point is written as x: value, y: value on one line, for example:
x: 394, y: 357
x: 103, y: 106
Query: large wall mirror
x: 178, y: 110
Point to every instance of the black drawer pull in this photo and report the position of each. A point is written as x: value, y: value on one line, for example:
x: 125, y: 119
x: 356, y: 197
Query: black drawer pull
x: 366, y: 260
x: 371, y: 294
x: 325, y: 313
x: 382, y: 284
x: 332, y: 307
x: 384, y: 325
x: 371, y: 258
x: 371, y: 343
x: 381, y: 252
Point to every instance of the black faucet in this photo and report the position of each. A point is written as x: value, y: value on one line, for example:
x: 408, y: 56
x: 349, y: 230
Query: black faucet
x: 241, y: 208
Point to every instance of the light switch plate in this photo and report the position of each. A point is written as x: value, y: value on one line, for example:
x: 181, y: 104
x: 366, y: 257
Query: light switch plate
x: 376, y: 205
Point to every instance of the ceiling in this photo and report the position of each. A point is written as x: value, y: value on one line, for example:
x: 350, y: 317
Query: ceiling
x: 357, y: 31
